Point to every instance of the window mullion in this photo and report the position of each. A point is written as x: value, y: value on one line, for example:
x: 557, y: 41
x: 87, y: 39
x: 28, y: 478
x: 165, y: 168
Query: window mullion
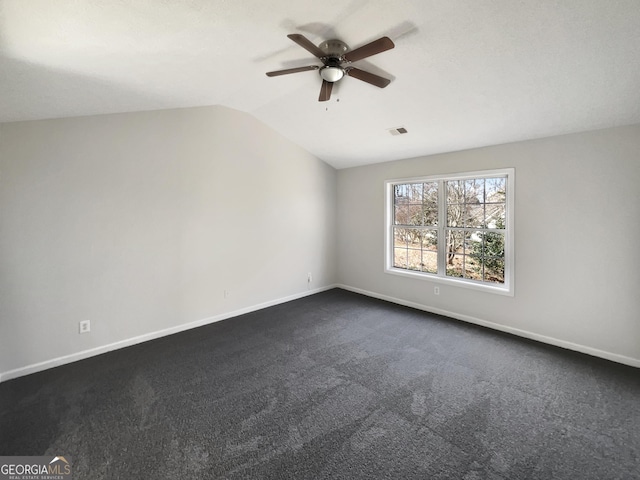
x: 442, y: 220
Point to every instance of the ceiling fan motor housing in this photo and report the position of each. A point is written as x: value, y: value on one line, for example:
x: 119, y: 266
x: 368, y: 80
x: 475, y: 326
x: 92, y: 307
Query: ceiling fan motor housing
x: 332, y: 70
x: 334, y: 48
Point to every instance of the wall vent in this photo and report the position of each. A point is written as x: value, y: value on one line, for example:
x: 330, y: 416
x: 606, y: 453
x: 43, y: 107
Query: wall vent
x: 398, y: 131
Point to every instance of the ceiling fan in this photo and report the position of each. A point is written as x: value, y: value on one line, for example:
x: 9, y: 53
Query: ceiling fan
x: 336, y: 59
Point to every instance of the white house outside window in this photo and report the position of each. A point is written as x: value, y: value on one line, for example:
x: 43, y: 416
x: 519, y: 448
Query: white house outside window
x: 454, y: 228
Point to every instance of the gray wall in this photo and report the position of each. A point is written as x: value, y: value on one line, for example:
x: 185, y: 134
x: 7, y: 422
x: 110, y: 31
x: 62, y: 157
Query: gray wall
x: 140, y: 222
x: 577, y: 225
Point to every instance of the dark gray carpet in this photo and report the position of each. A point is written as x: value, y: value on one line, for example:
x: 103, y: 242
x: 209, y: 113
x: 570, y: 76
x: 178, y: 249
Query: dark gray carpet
x: 336, y: 385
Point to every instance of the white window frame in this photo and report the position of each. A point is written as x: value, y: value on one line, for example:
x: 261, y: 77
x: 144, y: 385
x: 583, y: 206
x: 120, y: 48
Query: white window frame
x: 507, y: 288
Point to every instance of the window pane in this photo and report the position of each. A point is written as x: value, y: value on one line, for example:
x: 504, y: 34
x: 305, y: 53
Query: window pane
x: 414, y: 259
x: 455, y: 239
x: 495, y: 215
x: 474, y: 191
x: 400, y: 193
x: 471, y: 269
x: 455, y: 191
x: 430, y: 214
x: 400, y: 257
x: 496, y: 191
x: 473, y: 243
x: 401, y: 216
x: 430, y: 204
x: 493, y: 244
x: 430, y: 192
x: 474, y: 216
x: 455, y: 215
x: 430, y: 240
x: 400, y: 237
x: 414, y: 236
x: 494, y: 270
x: 414, y: 214
x: 454, y: 266
x: 414, y: 193
x: 430, y: 262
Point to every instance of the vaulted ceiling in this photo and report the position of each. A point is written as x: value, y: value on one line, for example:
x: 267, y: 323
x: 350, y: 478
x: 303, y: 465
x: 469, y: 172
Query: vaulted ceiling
x: 465, y: 73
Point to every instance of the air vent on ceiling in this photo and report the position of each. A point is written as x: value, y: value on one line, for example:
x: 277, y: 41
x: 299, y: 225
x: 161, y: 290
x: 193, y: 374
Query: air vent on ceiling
x: 397, y: 131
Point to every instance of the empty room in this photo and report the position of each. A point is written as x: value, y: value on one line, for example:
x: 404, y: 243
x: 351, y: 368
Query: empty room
x: 319, y: 240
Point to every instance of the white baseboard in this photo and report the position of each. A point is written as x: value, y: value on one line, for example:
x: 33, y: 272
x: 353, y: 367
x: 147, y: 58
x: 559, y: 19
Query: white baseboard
x: 74, y: 357
x: 633, y: 362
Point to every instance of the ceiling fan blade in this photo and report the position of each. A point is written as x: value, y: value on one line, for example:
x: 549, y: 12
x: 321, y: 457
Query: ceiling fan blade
x: 292, y: 70
x: 377, y: 46
x: 305, y: 43
x: 325, y: 91
x: 368, y: 77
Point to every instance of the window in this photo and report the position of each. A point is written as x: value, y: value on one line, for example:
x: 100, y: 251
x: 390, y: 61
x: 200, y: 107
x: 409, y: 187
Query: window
x: 456, y: 229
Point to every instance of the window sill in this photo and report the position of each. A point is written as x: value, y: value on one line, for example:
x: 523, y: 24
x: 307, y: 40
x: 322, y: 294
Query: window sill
x: 454, y: 282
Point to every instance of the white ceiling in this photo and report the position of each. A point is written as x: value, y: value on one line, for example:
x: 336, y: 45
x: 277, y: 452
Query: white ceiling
x: 465, y: 73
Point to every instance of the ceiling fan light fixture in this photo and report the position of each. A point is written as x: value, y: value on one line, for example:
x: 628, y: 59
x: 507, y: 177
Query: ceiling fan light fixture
x: 331, y: 73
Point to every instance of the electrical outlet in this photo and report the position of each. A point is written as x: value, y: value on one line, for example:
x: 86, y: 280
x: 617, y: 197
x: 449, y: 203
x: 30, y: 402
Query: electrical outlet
x: 84, y: 326
x: 436, y: 290
x: 309, y: 277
